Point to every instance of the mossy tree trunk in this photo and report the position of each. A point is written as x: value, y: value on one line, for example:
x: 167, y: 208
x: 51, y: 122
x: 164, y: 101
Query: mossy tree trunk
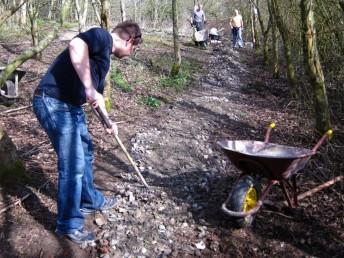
x: 177, y: 55
x: 105, y: 23
x: 313, y: 66
x: 283, y: 30
x: 275, y: 48
x: 15, y: 63
x: 12, y: 169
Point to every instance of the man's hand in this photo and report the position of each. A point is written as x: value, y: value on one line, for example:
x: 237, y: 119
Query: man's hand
x: 113, y: 129
x: 95, y: 98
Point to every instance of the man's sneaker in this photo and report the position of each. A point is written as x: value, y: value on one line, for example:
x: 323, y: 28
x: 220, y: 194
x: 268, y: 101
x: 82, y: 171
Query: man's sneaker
x: 79, y: 237
x: 109, y: 203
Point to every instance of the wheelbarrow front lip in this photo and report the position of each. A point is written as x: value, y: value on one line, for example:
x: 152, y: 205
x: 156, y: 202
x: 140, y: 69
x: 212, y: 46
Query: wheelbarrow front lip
x: 264, y: 150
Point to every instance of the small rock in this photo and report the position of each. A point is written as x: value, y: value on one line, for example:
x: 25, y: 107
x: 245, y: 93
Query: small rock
x: 131, y: 196
x: 200, y: 245
x: 100, y: 221
x: 162, y: 228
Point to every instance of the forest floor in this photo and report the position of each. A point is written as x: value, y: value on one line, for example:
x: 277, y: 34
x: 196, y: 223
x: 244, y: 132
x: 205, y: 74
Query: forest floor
x: 230, y: 96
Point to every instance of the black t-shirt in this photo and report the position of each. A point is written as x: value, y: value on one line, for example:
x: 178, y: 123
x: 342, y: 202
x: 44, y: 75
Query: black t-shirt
x: 61, y: 80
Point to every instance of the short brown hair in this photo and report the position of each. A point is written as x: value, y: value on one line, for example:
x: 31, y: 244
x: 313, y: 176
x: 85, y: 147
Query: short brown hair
x: 129, y: 30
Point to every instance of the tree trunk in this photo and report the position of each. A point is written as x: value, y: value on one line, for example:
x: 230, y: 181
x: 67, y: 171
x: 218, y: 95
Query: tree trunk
x: 156, y: 14
x: 177, y: 55
x: 265, y: 33
x: 8, y: 13
x: 51, y: 8
x: 252, y: 26
x: 105, y: 14
x: 254, y: 16
x: 96, y: 11
x: 19, y: 60
x: 313, y: 66
x: 33, y: 16
x: 123, y: 14
x: 341, y: 3
x: 105, y: 23
x: 65, y: 8
x: 287, y: 46
x: 11, y: 168
x: 135, y: 11
x: 275, y: 50
x: 22, y: 19
x: 140, y: 12
x: 81, y: 7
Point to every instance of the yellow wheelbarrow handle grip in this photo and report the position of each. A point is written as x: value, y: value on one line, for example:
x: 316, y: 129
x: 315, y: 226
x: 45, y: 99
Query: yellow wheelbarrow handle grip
x: 272, y: 125
x: 329, y: 133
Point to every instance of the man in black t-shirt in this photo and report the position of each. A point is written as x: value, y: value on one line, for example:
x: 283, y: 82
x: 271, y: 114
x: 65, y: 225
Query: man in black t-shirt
x: 77, y: 76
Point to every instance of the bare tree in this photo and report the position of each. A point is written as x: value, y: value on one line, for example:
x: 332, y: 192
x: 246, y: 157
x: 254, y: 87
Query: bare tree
x: 123, y: 13
x: 12, y: 10
x: 33, y: 11
x: 95, y: 5
x: 81, y: 7
x: 65, y: 8
x: 51, y: 8
x: 23, y: 10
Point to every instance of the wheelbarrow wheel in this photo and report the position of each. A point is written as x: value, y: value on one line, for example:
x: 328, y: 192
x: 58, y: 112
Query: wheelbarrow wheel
x: 244, y: 197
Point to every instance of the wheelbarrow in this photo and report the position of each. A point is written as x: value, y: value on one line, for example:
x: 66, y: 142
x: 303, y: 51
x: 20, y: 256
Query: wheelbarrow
x: 278, y: 163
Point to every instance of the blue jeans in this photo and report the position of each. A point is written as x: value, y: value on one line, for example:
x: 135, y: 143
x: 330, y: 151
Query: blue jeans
x: 237, y: 37
x: 65, y: 126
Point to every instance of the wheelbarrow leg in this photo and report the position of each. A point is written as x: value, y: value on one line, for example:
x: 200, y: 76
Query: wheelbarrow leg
x: 296, y: 203
x: 290, y: 204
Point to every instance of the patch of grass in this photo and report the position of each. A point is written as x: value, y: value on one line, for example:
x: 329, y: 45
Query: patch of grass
x: 11, y: 33
x: 70, y: 25
x: 179, y: 81
x: 119, y: 81
x: 150, y: 101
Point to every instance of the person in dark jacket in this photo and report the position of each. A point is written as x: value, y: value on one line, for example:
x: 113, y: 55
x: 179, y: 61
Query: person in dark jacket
x: 76, y: 77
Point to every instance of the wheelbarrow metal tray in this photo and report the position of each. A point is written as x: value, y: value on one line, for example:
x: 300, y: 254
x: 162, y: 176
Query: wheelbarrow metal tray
x: 274, y: 161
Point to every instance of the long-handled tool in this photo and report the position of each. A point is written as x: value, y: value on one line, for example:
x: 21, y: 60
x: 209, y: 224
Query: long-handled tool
x: 105, y: 121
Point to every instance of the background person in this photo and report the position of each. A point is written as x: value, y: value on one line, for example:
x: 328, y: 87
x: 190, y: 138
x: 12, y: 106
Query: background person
x: 237, y: 25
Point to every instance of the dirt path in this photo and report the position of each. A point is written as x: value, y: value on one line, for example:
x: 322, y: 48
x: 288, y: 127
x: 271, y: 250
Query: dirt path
x: 175, y: 147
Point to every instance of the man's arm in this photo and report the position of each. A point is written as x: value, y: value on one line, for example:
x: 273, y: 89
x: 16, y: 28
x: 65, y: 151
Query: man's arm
x: 78, y: 51
x: 241, y: 22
